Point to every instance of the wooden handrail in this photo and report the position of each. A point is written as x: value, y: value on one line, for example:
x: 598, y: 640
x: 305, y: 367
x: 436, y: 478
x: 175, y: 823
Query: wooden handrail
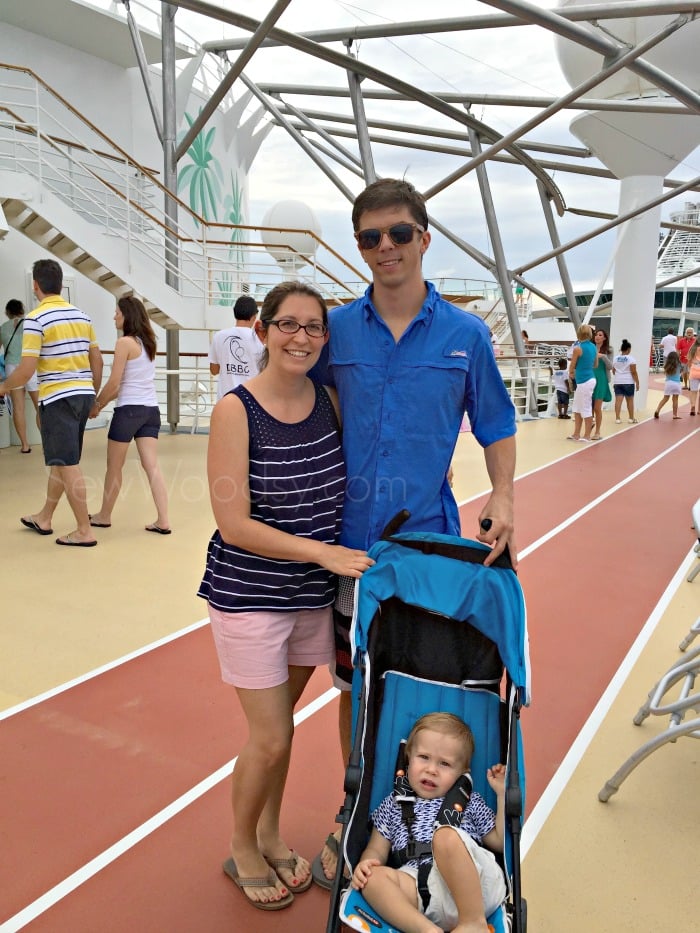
x: 128, y: 160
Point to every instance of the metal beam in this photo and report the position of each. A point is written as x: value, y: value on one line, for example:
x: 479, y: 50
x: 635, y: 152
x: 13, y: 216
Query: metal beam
x: 643, y: 105
x: 172, y: 258
x: 296, y: 135
x: 616, y: 63
x: 143, y: 68
x: 346, y: 62
x: 574, y: 316
x: 228, y: 81
x: 464, y: 24
x: 687, y: 186
x: 502, y: 274
x: 552, y: 21
x: 358, y: 109
x: 308, y: 123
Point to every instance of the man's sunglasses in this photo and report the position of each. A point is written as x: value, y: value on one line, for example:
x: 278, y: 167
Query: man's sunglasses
x: 399, y: 234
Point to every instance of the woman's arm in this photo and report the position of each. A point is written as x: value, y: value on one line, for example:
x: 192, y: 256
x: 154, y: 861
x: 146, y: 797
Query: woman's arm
x: 633, y: 371
x: 228, y: 469
x: 110, y: 390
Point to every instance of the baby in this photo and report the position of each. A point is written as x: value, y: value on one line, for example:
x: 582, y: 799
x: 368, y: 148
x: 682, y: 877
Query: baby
x: 465, y: 882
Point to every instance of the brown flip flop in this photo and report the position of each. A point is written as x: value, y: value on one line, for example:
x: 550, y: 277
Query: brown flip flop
x: 230, y: 869
x: 289, y: 864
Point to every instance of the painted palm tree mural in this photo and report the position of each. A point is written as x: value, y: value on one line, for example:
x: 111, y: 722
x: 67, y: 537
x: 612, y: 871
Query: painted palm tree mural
x: 202, y: 177
x: 202, y: 185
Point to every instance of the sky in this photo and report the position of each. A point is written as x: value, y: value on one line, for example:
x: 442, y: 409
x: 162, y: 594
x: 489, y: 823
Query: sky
x: 518, y: 61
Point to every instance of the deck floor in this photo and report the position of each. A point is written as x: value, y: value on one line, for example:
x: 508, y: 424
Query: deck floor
x: 117, y: 736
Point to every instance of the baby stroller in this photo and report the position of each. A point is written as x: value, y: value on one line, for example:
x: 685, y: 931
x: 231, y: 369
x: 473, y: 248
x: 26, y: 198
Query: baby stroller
x: 434, y: 630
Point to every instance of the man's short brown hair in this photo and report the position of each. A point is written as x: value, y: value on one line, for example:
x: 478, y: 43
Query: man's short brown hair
x: 390, y: 192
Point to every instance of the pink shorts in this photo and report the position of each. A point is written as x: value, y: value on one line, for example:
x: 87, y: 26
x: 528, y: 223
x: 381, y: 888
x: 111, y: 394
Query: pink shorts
x: 256, y: 649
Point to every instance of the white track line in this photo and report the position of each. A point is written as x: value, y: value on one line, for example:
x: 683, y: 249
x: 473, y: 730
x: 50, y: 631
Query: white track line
x: 83, y: 874
x: 552, y: 792
x: 544, y: 806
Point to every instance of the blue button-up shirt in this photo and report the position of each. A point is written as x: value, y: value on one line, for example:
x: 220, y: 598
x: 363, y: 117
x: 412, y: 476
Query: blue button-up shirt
x: 402, y: 405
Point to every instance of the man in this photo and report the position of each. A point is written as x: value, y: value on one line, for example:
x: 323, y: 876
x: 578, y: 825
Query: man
x: 684, y: 344
x: 668, y: 343
x: 59, y: 343
x: 407, y: 364
x: 234, y: 355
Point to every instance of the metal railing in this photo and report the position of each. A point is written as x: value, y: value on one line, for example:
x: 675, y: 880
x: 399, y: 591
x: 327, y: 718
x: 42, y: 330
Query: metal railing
x: 44, y: 136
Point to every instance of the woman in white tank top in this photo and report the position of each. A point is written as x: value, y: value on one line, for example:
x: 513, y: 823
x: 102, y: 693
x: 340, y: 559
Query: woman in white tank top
x: 136, y: 414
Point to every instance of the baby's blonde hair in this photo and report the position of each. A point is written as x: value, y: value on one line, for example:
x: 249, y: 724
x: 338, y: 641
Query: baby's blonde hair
x: 445, y: 724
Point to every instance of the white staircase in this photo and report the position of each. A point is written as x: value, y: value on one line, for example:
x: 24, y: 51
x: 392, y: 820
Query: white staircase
x: 72, y: 190
x: 101, y: 257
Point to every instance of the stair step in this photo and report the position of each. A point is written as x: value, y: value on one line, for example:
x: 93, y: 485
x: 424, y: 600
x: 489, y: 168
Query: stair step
x: 86, y: 263
x: 13, y: 209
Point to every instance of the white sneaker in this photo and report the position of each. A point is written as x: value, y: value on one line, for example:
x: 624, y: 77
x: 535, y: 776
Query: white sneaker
x: 617, y: 421
x: 633, y: 421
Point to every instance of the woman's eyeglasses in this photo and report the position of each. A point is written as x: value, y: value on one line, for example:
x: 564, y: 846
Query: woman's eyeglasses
x: 287, y: 326
x: 399, y: 234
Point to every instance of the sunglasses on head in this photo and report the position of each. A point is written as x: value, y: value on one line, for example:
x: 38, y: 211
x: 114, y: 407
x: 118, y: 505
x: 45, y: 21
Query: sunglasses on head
x: 399, y: 234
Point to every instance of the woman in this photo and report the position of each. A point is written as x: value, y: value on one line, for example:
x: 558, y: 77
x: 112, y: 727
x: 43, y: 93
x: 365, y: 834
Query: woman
x: 582, y: 369
x: 136, y: 414
x: 601, y: 392
x: 625, y: 381
x: 11, y: 341
x: 276, y: 481
x: 694, y: 374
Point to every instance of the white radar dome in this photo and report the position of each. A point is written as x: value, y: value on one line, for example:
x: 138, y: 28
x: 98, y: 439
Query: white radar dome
x: 290, y: 220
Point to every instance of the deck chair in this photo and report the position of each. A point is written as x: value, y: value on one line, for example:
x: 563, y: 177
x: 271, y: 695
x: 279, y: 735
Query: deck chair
x: 674, y: 695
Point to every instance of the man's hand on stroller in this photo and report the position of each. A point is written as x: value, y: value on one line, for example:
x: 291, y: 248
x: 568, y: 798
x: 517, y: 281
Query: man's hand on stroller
x: 496, y: 528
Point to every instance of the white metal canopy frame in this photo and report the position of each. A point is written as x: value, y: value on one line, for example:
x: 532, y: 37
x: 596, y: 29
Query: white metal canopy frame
x: 318, y: 132
x: 340, y: 142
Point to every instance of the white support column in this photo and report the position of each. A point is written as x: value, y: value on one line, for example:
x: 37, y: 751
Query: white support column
x: 634, y: 282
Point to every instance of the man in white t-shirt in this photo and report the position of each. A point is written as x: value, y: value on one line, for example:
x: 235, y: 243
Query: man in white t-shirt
x: 669, y: 342
x: 234, y: 355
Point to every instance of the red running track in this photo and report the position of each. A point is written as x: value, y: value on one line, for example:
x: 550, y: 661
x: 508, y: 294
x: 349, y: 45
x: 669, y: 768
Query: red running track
x: 84, y: 769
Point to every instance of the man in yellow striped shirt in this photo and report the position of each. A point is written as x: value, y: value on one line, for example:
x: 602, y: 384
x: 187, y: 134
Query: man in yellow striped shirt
x: 59, y: 343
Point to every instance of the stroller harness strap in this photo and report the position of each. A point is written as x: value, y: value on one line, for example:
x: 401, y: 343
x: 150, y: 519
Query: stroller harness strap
x: 450, y: 814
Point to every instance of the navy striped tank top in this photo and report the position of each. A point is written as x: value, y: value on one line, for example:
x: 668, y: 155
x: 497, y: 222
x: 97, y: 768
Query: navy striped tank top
x: 297, y: 482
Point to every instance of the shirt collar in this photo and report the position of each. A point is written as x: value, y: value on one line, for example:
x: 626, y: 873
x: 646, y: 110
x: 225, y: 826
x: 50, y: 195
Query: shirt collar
x: 54, y: 301
x: 431, y: 299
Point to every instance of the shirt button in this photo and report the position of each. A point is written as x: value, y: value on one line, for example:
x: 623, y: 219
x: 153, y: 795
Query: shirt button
x: 385, y: 453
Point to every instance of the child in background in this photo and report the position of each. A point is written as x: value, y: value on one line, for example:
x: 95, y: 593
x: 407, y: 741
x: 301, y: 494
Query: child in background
x: 465, y: 882
x: 560, y: 378
x: 672, y: 386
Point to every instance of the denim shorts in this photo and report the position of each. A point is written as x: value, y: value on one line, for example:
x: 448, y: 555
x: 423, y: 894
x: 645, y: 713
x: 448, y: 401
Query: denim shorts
x: 625, y: 389
x: 130, y: 421
x: 62, y: 425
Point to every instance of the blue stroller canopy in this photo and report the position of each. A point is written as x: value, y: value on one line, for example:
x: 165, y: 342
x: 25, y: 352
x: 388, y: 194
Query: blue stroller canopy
x: 489, y: 598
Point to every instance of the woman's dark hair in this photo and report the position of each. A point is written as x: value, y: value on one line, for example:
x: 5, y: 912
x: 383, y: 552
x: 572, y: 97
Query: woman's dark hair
x: 625, y: 346
x: 275, y: 297
x: 605, y: 345
x: 137, y: 323
x: 390, y: 192
x: 671, y: 363
x: 14, y: 308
